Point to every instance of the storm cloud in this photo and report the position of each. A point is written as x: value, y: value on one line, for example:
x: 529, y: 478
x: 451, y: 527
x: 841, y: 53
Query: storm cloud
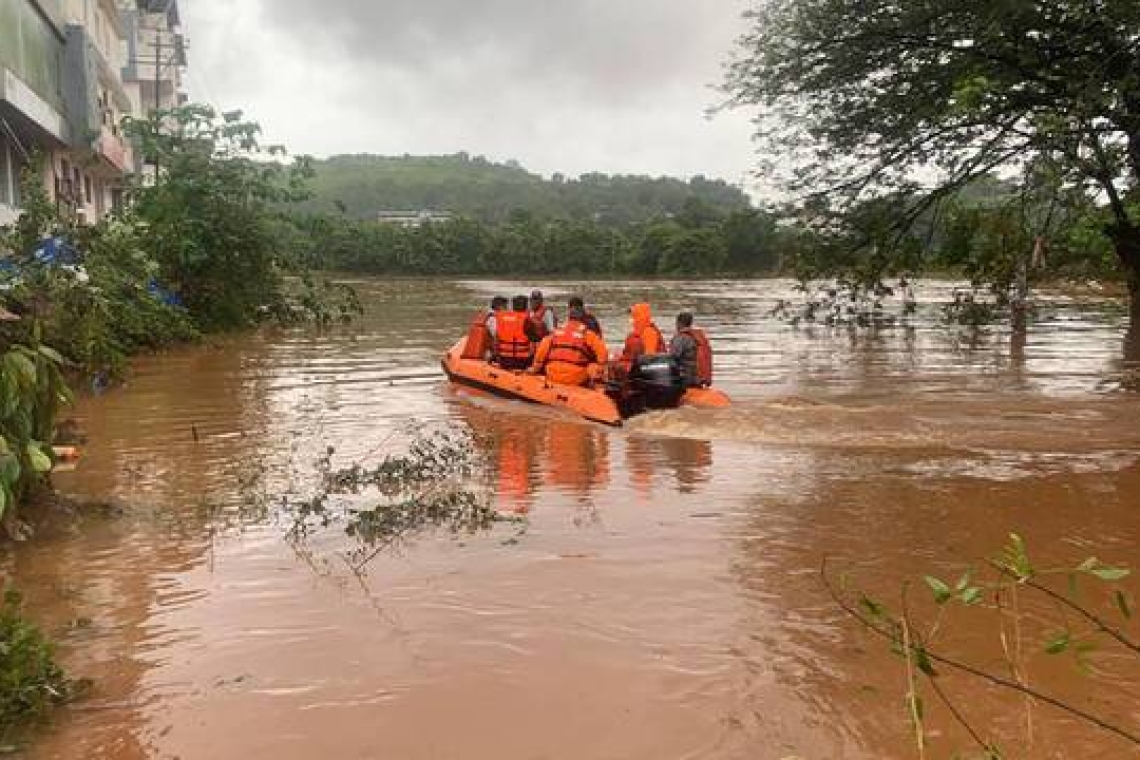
x: 567, y: 86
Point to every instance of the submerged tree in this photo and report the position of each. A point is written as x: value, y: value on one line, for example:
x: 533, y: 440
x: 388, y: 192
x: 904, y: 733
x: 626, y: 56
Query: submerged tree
x: 874, y: 97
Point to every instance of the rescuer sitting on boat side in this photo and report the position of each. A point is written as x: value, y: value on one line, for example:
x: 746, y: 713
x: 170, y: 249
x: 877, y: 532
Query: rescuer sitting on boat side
x: 566, y: 354
x: 514, y: 344
x: 691, y: 347
x: 644, y: 337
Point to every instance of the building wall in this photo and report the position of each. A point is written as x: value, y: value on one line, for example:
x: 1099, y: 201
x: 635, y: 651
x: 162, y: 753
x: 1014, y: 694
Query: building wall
x: 9, y: 179
x: 31, y: 48
x: 74, y: 69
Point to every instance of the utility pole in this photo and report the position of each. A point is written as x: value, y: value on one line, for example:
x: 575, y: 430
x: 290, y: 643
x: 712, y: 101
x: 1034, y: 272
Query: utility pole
x: 157, y: 70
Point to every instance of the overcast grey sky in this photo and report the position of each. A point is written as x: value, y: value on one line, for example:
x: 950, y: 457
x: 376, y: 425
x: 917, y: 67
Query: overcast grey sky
x: 559, y: 85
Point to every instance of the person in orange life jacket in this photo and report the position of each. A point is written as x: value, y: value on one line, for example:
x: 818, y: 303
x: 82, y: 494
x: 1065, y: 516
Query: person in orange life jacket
x: 514, y: 336
x: 567, y: 353
x: 691, y: 347
x: 588, y: 319
x: 644, y: 338
x: 542, y: 316
x: 481, y: 333
x: 498, y: 304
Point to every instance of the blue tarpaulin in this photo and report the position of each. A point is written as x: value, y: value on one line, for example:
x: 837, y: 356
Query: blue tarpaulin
x: 57, y: 251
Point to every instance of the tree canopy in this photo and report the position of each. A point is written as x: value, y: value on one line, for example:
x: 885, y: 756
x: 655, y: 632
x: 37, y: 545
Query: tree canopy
x: 891, y: 98
x: 464, y: 185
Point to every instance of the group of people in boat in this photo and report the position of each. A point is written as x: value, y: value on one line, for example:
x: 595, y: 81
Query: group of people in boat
x: 524, y: 334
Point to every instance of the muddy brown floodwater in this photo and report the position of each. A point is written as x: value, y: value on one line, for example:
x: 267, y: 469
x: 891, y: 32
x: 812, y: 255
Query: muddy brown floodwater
x: 664, y: 599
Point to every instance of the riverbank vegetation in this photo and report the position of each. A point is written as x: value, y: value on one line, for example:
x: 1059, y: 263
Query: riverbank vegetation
x: 194, y: 252
x: 999, y: 234
x: 31, y: 682
x: 879, y: 128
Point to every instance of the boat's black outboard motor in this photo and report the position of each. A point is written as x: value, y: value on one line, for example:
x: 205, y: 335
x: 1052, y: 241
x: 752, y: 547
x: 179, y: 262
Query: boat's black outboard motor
x: 656, y: 378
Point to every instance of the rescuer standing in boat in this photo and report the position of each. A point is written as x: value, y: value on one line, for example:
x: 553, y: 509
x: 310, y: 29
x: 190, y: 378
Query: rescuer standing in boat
x: 566, y: 354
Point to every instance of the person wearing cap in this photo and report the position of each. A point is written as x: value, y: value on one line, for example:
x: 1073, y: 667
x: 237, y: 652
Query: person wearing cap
x: 542, y: 317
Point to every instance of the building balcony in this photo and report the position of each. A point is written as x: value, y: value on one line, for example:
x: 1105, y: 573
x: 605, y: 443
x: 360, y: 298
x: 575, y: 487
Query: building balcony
x: 114, y: 151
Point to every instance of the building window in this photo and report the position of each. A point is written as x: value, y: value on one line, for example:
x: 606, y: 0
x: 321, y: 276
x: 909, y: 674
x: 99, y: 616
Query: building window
x: 5, y: 175
x: 87, y: 189
x: 63, y: 186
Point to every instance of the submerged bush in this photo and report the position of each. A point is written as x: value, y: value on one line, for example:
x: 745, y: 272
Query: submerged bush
x: 31, y: 682
x: 438, y: 484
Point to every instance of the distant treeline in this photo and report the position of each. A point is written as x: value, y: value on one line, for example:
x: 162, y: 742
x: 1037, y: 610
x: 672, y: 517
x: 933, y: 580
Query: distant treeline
x: 509, y: 222
x: 363, y: 186
x: 699, y: 241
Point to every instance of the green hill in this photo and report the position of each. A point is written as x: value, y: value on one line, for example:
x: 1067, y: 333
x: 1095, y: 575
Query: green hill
x: 366, y: 185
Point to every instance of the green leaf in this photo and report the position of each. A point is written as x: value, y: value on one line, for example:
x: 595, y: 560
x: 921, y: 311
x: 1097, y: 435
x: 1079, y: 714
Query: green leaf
x: 971, y: 596
x: 9, y: 469
x: 873, y: 608
x: 40, y: 461
x: 923, y: 663
x: 942, y: 593
x: 1015, y: 558
x: 51, y: 353
x: 1122, y: 603
x: 964, y: 581
x: 1106, y: 573
x: 3, y: 500
x: 22, y: 367
x: 1059, y: 644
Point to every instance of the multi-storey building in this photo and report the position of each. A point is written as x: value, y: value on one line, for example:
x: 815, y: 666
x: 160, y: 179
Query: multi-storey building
x: 32, y: 121
x: 156, y: 55
x: 70, y: 70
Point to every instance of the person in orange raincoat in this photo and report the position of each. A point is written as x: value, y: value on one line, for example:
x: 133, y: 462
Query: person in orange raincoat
x: 644, y: 338
x: 567, y: 354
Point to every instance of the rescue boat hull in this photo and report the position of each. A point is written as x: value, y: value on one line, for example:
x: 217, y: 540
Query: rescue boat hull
x: 591, y: 403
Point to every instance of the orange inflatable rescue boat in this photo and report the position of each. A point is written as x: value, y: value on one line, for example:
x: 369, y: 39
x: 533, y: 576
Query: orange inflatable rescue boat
x: 608, y: 402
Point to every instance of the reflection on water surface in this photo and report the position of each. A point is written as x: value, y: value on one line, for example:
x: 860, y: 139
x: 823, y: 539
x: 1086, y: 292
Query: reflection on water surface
x: 664, y: 599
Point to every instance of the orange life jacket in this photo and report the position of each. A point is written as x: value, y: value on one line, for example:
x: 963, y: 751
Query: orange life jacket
x: 478, y: 337
x: 511, y: 341
x: 704, y: 354
x: 570, y: 347
x: 652, y: 341
x: 641, y: 342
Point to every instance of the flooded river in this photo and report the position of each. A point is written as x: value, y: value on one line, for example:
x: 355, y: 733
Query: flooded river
x: 663, y: 599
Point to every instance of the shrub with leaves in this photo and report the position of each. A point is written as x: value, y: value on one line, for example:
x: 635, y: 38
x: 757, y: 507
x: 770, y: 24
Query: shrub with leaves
x: 209, y: 221
x: 1010, y: 578
x: 31, y: 682
x: 32, y: 390
x: 435, y: 484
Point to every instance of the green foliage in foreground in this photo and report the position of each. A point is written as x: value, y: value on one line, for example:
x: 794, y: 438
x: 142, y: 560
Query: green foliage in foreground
x: 1079, y: 611
x: 438, y: 484
x: 31, y: 682
x: 32, y: 391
